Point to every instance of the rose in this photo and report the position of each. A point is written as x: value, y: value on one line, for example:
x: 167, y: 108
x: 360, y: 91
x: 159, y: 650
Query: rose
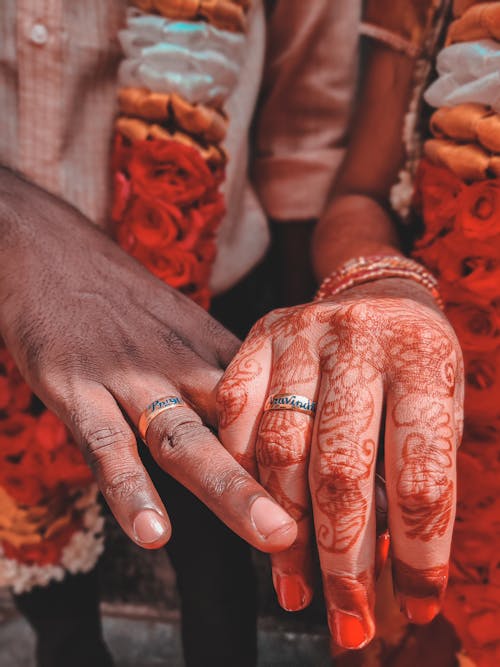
x: 67, y: 467
x: 19, y: 472
x: 154, y: 223
x: 122, y: 152
x: 50, y: 433
x: 479, y: 210
x: 482, y: 385
x: 5, y: 393
x: 437, y: 191
x: 476, y: 326
x: 175, y: 266
x: 463, y: 265
x: 170, y: 171
x: 15, y: 395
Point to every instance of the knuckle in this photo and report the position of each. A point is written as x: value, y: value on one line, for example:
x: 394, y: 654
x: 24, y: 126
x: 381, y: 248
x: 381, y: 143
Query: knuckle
x: 420, y: 487
x: 103, y: 441
x: 220, y: 483
x: 281, y: 449
x: 181, y: 435
x: 176, y: 345
x: 186, y: 432
x: 122, y: 485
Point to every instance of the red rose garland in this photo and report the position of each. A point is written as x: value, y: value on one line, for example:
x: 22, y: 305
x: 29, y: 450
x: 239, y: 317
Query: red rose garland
x: 167, y: 210
x: 461, y: 245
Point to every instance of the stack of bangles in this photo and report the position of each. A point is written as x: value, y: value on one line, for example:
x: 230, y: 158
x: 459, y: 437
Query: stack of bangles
x: 367, y: 269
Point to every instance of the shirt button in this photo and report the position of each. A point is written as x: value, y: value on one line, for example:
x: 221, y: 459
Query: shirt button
x: 39, y: 34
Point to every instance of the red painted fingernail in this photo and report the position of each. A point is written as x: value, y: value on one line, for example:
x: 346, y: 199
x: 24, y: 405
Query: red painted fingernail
x: 420, y: 610
x: 381, y: 553
x: 292, y: 592
x: 348, y: 631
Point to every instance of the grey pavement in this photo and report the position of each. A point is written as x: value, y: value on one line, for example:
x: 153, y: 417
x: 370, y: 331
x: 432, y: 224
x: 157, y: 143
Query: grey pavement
x: 155, y: 643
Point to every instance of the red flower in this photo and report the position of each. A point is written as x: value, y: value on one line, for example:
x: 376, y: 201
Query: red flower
x: 5, y: 393
x: 154, y: 223
x: 169, y: 218
x: 482, y: 384
x: 15, y: 395
x: 50, y: 432
x: 479, y: 210
x: 476, y: 327
x: 438, y: 191
x: 122, y: 152
x: 169, y: 171
x: 175, y: 266
x: 46, y: 552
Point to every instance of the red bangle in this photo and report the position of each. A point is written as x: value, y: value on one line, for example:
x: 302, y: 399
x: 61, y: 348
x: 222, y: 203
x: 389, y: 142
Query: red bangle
x: 366, y: 269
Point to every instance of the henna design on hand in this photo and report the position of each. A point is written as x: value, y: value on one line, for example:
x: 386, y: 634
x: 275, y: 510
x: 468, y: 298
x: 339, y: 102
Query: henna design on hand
x: 424, y: 364
x: 284, y: 439
x: 425, y: 490
x: 272, y: 484
x: 296, y: 364
x: 350, y: 608
x: 232, y: 393
x: 347, y: 452
x: 420, y: 583
x: 382, y: 339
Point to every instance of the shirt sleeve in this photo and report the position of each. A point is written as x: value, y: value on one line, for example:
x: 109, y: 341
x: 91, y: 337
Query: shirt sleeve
x: 400, y: 24
x: 302, y: 119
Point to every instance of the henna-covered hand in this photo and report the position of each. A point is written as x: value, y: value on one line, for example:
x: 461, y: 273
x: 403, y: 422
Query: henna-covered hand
x: 378, y: 350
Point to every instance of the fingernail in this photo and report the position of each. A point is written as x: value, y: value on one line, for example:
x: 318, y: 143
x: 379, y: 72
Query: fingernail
x: 269, y: 518
x: 381, y: 553
x: 348, y: 631
x: 420, y: 610
x: 149, y: 527
x: 291, y: 590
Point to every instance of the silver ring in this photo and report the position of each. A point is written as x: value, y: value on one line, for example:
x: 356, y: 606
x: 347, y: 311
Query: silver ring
x: 154, y: 409
x: 291, y: 402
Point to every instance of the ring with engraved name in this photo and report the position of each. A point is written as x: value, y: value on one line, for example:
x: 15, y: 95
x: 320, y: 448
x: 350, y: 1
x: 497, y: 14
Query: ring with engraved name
x: 154, y: 409
x: 291, y: 402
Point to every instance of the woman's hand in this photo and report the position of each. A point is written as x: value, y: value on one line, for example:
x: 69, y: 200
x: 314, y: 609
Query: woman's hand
x: 98, y: 338
x: 385, y: 368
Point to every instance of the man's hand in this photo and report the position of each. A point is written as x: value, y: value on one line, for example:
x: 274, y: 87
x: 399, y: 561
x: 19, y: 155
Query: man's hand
x: 385, y: 367
x: 98, y: 338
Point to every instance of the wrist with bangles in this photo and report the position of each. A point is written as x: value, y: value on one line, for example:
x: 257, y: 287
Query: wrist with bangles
x: 367, y: 269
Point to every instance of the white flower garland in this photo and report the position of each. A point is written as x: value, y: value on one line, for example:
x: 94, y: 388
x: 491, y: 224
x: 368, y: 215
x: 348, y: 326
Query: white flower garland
x: 79, y: 555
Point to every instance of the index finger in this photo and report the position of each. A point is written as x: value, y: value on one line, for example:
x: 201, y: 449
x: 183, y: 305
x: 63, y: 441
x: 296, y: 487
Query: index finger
x: 191, y: 453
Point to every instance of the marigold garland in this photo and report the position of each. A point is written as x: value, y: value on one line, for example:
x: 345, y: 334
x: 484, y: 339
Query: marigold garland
x: 38, y: 462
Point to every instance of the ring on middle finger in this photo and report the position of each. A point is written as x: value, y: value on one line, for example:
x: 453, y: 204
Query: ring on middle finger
x: 291, y: 402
